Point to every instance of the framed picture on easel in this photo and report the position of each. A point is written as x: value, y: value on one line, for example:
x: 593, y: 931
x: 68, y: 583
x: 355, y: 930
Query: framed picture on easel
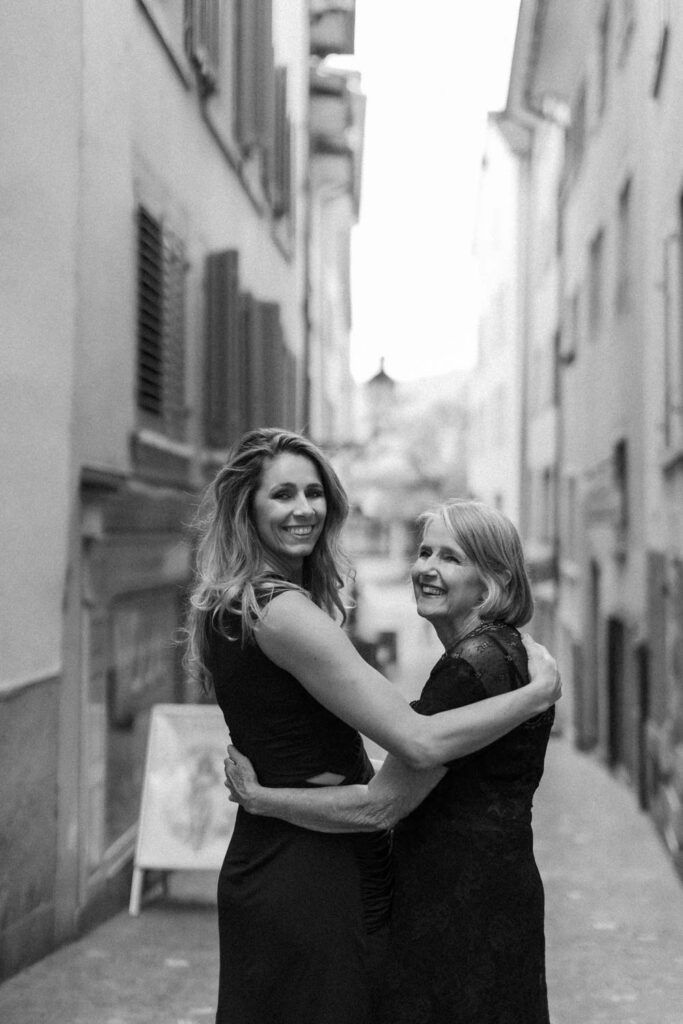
x: 186, y: 817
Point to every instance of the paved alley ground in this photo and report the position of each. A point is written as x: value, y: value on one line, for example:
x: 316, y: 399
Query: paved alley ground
x: 614, y: 906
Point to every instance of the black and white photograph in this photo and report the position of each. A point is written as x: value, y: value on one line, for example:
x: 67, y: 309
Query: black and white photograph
x: 341, y: 596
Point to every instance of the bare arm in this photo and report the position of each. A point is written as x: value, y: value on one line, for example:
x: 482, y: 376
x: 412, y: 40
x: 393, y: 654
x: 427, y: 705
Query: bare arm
x: 392, y: 794
x: 303, y: 640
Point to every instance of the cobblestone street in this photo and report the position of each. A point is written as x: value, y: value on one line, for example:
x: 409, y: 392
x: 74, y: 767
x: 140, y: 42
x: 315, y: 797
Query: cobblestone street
x: 614, y: 906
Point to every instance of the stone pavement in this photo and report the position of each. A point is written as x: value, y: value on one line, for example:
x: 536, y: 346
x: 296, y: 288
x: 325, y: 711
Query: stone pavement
x: 614, y: 906
x: 158, y: 968
x: 614, y: 912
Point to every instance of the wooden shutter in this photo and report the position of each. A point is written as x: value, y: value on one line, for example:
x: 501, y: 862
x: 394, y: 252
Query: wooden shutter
x: 273, y: 364
x: 245, y: 84
x: 161, y: 326
x: 202, y: 39
x: 264, y: 67
x: 256, y: 359
x: 657, y: 594
x: 290, y: 375
x: 150, y: 314
x: 174, y: 337
x: 222, y: 412
x: 282, y: 147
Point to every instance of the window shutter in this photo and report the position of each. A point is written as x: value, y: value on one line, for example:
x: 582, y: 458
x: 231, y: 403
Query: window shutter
x: 150, y: 314
x: 256, y: 360
x: 273, y: 364
x: 290, y: 388
x: 245, y: 86
x: 223, y: 370
x: 174, y: 337
x: 202, y: 39
x: 282, y: 146
x: 161, y: 326
x: 265, y: 72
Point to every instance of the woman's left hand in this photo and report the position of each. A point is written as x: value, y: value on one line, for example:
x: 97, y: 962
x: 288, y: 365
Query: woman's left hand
x: 543, y: 671
x: 240, y: 778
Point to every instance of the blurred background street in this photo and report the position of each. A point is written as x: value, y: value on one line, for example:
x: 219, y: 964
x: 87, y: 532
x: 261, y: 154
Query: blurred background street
x: 444, y: 241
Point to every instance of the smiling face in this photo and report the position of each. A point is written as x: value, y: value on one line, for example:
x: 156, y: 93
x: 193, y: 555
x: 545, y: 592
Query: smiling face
x: 289, y: 510
x: 447, y: 586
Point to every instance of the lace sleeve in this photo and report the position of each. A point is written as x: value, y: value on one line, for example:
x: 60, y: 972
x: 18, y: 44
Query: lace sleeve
x: 454, y: 685
x: 499, y: 659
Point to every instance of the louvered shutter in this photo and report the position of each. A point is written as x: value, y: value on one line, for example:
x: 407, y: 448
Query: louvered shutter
x: 257, y: 364
x: 202, y: 39
x: 273, y: 364
x: 222, y: 411
x: 161, y: 326
x: 174, y: 337
x: 290, y: 375
x: 150, y: 314
x: 281, y: 173
x: 245, y: 83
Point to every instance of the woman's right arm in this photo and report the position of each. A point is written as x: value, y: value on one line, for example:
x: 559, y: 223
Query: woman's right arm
x: 304, y: 641
x: 390, y: 795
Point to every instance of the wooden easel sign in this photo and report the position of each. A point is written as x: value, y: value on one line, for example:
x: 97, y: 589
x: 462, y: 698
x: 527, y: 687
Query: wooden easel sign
x: 186, y: 818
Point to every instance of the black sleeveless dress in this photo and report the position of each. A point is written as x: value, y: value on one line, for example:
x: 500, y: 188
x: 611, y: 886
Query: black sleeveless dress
x: 467, y: 933
x: 295, y: 908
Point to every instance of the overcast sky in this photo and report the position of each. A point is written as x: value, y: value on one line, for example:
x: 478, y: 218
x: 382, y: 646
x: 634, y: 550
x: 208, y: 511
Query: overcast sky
x: 431, y: 71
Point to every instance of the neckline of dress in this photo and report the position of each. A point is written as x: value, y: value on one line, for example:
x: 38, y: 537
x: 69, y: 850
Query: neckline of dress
x: 482, y: 627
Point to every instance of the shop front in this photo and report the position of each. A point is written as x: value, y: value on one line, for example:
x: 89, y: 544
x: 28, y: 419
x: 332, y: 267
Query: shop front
x: 136, y: 562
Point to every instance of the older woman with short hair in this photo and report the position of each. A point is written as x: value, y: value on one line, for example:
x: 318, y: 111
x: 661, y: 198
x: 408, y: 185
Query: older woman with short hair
x: 467, y: 932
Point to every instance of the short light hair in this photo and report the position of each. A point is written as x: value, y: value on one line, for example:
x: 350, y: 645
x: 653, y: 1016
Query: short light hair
x: 491, y: 542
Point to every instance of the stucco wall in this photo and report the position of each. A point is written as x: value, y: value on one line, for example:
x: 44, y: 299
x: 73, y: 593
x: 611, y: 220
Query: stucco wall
x: 40, y: 82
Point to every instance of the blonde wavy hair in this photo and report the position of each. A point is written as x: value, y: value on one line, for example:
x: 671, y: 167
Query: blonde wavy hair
x: 232, y: 574
x: 491, y: 542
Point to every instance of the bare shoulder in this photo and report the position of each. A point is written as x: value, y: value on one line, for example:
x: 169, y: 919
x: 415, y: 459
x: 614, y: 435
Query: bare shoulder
x: 288, y: 609
x: 292, y: 626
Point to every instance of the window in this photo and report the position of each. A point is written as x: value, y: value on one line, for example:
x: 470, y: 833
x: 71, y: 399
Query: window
x: 620, y: 462
x: 161, y: 327
x: 225, y: 398
x: 261, y: 121
x: 202, y: 40
x: 254, y: 92
x: 673, y: 335
x: 251, y: 376
x: 628, y: 24
x: 570, y: 334
x: 603, y: 57
x: 569, y: 513
x: 281, y: 181
x: 547, y: 518
x: 595, y: 301
x: 660, y: 60
x: 624, y: 282
x: 576, y: 140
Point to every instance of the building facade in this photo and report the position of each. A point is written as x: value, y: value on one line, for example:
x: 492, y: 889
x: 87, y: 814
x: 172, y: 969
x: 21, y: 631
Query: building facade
x: 337, y: 122
x: 494, y: 446
x: 611, y: 74
x: 156, y: 261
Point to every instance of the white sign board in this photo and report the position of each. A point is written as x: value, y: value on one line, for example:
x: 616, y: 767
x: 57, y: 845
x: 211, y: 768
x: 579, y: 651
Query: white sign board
x: 186, y: 817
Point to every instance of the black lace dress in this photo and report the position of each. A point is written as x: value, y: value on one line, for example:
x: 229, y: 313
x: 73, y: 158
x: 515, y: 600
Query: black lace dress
x: 298, y: 911
x: 467, y: 940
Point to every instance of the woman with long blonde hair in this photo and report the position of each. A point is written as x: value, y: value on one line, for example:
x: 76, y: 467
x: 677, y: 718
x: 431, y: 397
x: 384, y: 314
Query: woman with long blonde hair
x: 298, y: 909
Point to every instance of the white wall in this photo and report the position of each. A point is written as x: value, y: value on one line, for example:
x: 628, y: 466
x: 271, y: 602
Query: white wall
x: 495, y: 393
x: 40, y: 83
